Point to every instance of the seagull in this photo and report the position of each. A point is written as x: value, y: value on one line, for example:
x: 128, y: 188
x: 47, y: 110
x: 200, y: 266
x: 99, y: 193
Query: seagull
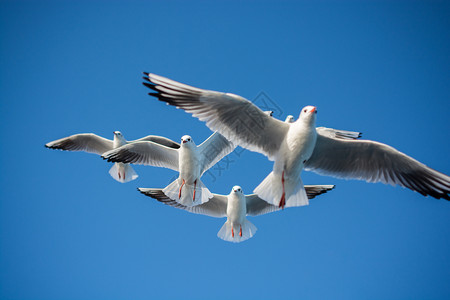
x: 289, y: 119
x: 235, y: 206
x: 298, y: 145
x: 92, y: 143
x: 190, y: 160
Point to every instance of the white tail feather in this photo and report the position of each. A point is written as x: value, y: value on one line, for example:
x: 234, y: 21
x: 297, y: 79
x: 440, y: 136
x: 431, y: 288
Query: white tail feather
x: 123, y: 172
x: 271, y: 190
x: 248, y: 231
x: 202, y: 194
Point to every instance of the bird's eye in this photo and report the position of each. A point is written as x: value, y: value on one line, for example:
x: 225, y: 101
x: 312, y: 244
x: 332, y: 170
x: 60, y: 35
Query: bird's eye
x: 304, y: 110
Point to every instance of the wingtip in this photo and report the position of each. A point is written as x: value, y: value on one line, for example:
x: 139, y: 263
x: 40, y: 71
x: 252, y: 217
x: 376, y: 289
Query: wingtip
x: 146, y: 73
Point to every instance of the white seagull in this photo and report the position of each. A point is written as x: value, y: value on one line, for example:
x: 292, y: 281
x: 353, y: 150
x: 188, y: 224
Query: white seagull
x: 92, y: 143
x: 190, y: 160
x: 298, y: 145
x: 235, y: 206
x: 289, y: 119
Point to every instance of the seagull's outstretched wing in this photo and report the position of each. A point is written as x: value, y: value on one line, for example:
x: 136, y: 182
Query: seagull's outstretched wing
x: 87, y: 142
x: 236, y: 118
x: 256, y: 206
x: 158, y: 139
x: 374, y: 162
x: 338, y: 134
x: 145, y: 153
x: 215, y: 207
x: 213, y: 149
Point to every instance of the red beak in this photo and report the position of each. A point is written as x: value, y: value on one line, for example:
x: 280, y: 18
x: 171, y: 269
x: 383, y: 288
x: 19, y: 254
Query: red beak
x: 313, y: 109
x: 184, y: 142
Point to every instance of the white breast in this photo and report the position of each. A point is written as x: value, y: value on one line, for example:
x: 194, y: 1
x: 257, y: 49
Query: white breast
x: 236, y: 208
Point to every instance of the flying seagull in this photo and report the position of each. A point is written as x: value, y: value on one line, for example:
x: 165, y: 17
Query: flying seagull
x: 235, y: 206
x: 92, y: 143
x: 289, y: 119
x: 190, y: 160
x: 298, y: 145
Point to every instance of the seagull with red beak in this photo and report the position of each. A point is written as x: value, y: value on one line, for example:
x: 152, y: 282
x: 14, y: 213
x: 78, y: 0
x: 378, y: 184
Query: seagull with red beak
x: 92, y: 143
x: 297, y: 145
x: 190, y: 160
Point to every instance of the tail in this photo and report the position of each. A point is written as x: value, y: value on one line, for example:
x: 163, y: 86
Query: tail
x: 271, y: 190
x: 226, y: 234
x: 186, y: 197
x: 123, y: 172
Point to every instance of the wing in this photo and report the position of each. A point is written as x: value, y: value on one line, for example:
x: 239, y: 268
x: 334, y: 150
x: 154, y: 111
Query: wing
x: 158, y: 139
x: 338, y: 134
x: 145, y: 153
x: 257, y: 206
x: 374, y: 162
x: 215, y: 207
x: 236, y: 118
x: 315, y: 190
x: 214, y: 149
x: 87, y: 142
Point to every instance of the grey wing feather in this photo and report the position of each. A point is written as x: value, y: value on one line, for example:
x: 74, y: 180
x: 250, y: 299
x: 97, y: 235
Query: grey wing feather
x: 236, y: 118
x: 257, y: 206
x: 87, y: 142
x: 214, y: 149
x: 158, y: 139
x: 215, y: 207
x: 145, y: 153
x: 338, y: 134
x: 376, y: 162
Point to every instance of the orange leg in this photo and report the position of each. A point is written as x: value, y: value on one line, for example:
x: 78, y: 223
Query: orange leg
x: 283, y: 196
x: 232, y: 232
x: 123, y: 175
x: 179, y: 193
x: 119, y: 175
x: 240, y: 230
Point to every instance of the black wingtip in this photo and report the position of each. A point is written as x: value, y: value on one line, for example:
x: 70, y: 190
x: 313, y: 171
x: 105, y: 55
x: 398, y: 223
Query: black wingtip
x: 146, y: 73
x: 149, y: 85
x: 146, y: 78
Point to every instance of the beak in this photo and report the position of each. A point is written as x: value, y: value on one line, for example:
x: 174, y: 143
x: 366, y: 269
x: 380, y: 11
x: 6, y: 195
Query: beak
x: 313, y: 109
x: 183, y: 142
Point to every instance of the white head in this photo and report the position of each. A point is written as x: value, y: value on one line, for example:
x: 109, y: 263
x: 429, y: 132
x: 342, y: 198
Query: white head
x: 186, y: 140
x: 118, y: 134
x: 237, y: 189
x: 119, y: 139
x: 308, y: 115
x: 289, y: 119
x: 269, y: 113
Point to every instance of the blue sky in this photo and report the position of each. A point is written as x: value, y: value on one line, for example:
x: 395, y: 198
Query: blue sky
x: 69, y: 231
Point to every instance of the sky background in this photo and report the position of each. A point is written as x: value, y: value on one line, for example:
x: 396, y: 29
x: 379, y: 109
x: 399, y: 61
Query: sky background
x: 69, y: 231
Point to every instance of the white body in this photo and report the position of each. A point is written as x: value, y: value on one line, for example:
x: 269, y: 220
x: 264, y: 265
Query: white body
x: 295, y: 149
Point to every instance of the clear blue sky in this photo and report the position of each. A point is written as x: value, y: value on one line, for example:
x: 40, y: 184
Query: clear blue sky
x: 69, y: 231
